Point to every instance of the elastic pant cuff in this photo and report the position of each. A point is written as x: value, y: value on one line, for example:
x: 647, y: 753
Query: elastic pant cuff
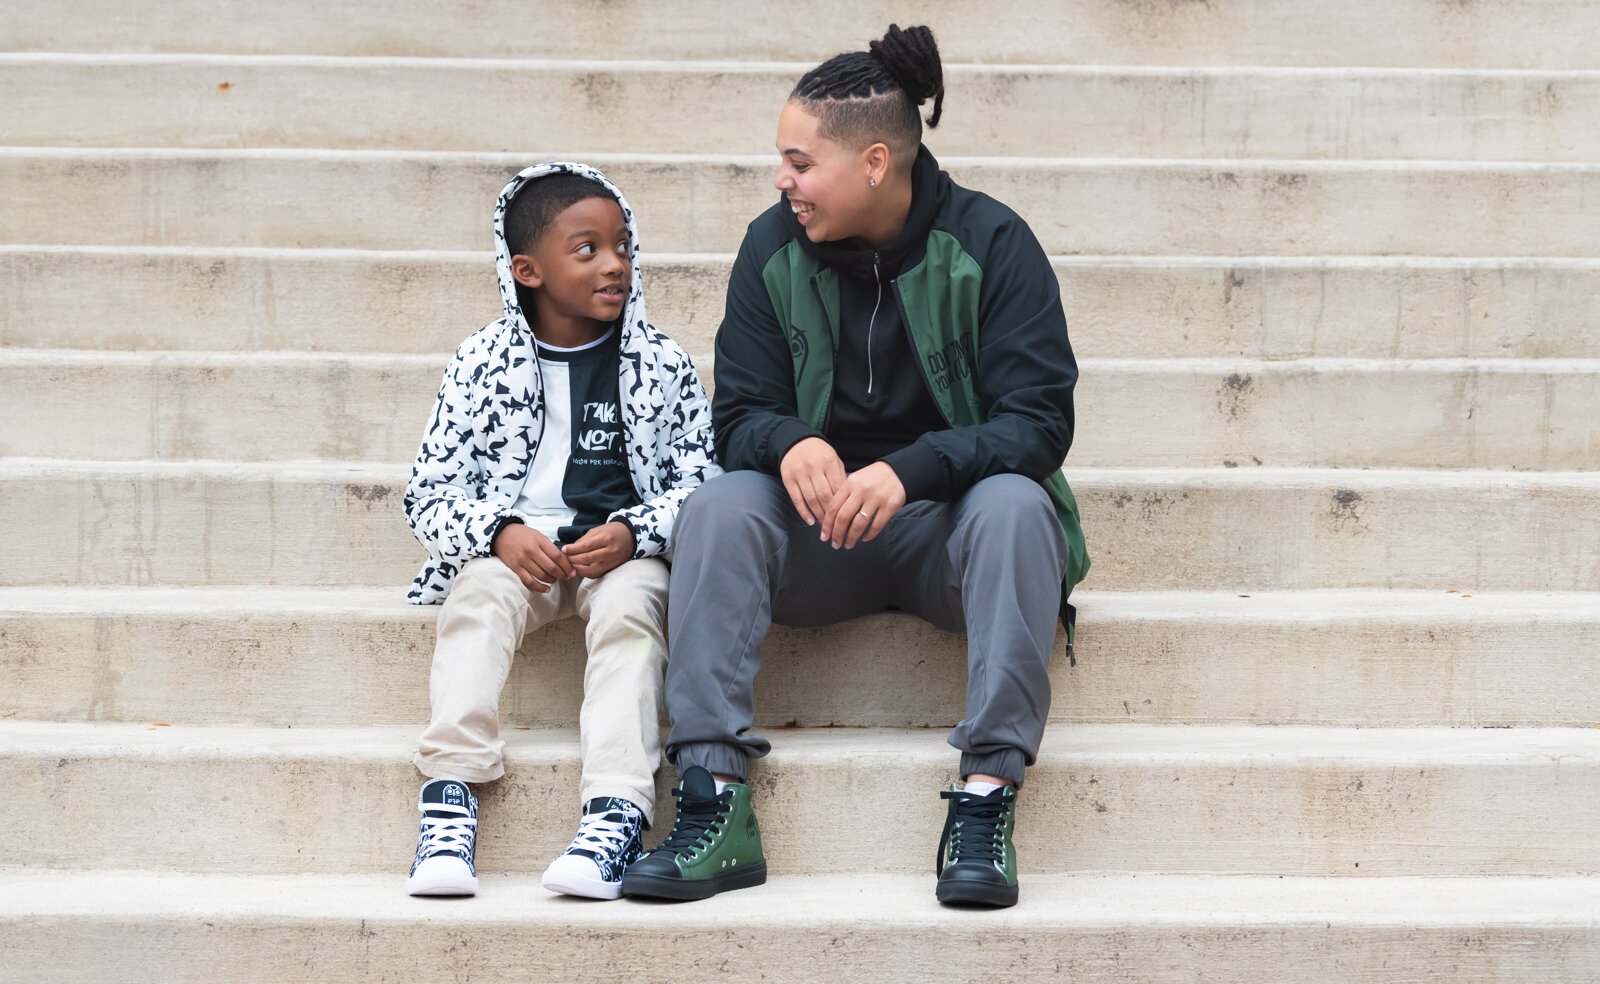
x: 714, y: 756
x: 1007, y: 763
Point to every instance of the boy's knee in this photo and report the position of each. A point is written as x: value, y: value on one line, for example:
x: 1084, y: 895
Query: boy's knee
x: 484, y: 579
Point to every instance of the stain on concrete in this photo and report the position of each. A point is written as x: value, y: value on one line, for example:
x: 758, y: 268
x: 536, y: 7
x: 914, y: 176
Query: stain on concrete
x: 1347, y: 509
x: 1234, y: 394
x: 369, y: 493
x: 1232, y: 281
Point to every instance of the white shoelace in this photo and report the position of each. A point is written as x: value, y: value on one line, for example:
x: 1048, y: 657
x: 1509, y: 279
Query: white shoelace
x: 602, y: 836
x: 447, y: 833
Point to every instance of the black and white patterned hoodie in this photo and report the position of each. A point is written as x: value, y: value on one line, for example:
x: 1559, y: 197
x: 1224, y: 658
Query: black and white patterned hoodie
x: 480, y: 442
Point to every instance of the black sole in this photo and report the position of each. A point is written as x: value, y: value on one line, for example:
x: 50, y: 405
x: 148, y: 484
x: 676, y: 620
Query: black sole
x: 976, y: 894
x: 691, y: 890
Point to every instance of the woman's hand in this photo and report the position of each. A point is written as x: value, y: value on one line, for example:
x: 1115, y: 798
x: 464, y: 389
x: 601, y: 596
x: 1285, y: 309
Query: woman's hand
x: 811, y: 471
x: 601, y: 550
x: 863, y: 506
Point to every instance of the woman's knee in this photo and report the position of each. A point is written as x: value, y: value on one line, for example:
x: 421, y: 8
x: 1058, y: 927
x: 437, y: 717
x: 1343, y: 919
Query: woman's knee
x: 1007, y: 500
x: 730, y: 501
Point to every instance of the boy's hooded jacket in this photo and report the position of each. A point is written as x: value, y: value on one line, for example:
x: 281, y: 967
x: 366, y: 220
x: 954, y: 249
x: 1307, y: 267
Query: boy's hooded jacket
x: 480, y: 442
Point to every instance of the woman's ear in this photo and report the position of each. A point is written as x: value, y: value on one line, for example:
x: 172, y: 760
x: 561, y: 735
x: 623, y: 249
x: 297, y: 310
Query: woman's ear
x: 878, y: 159
x: 525, y: 271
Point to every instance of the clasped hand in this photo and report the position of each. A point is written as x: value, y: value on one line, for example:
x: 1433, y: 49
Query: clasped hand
x: 540, y: 563
x: 851, y: 508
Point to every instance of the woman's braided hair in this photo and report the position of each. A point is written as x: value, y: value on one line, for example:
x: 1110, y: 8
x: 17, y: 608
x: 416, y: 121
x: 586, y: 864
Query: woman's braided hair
x: 868, y: 96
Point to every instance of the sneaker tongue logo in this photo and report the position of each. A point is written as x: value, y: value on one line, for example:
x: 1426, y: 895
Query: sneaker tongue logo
x: 454, y: 796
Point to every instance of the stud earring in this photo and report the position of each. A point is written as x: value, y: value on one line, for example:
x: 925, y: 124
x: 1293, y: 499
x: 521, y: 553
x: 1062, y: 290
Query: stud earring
x: 872, y: 182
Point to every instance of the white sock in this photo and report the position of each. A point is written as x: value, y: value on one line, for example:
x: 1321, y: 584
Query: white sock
x: 981, y: 788
x: 720, y: 786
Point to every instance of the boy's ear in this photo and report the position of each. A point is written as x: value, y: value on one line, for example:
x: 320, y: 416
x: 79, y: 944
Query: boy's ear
x: 526, y: 271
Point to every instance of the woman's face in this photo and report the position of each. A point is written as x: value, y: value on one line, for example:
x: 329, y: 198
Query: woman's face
x: 825, y: 181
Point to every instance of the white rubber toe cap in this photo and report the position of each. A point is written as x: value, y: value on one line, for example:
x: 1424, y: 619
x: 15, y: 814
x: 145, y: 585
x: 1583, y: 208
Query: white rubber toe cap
x: 573, y: 875
x: 442, y: 874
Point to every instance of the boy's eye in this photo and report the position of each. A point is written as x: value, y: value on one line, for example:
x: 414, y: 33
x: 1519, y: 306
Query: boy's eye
x: 586, y: 248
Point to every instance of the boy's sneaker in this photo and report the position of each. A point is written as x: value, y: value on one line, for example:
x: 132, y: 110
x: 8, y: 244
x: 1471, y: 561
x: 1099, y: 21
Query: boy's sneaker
x: 977, y: 862
x: 714, y: 846
x: 447, y: 842
x: 610, y: 838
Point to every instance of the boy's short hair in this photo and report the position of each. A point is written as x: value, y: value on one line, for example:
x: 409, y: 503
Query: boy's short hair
x: 536, y: 205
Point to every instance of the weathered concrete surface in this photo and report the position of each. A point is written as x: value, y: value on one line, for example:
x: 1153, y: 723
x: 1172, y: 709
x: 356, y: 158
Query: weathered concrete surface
x: 1336, y: 413
x: 1472, y: 33
x: 1129, y: 929
x: 392, y: 301
x: 1312, y: 801
x: 702, y: 203
x: 283, y: 657
x: 149, y: 524
x: 731, y: 107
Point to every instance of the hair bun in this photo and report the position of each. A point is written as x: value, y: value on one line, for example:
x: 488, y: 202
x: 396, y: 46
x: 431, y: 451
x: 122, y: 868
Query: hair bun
x: 912, y: 57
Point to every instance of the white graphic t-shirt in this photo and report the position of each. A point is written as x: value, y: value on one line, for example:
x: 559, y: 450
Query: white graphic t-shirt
x: 580, y: 470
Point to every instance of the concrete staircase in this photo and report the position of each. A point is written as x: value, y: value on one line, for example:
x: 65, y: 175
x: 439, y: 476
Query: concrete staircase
x: 1336, y: 716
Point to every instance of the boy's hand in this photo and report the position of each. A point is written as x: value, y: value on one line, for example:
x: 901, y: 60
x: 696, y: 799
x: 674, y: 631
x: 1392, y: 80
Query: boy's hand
x: 531, y: 556
x: 601, y: 550
x: 863, y: 506
x: 812, y: 472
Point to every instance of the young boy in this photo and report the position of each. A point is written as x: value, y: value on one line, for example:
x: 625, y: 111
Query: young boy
x: 565, y: 437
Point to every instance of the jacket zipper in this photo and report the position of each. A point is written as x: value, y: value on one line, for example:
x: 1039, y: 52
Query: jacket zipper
x: 873, y: 321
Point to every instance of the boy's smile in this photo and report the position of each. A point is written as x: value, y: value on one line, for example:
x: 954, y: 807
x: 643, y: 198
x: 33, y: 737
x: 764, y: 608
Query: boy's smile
x: 579, y: 271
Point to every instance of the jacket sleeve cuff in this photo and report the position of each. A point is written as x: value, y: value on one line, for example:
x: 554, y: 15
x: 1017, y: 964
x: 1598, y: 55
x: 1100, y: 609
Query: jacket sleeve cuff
x: 785, y: 436
x: 921, y: 471
x: 499, y: 523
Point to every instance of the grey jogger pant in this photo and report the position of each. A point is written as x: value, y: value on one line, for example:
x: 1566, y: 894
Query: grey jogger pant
x: 989, y: 563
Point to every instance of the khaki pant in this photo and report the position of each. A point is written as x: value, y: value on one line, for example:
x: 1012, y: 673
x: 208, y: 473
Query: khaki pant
x: 484, y: 620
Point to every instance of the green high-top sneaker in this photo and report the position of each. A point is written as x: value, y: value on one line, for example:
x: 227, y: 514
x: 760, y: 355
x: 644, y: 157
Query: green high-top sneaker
x: 977, y: 862
x: 714, y: 846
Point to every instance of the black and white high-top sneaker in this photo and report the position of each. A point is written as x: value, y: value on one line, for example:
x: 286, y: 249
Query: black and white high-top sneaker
x: 447, y: 842
x: 610, y: 837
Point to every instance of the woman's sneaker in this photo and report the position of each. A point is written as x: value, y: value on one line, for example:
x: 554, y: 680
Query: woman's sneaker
x: 977, y: 862
x: 447, y: 842
x: 610, y: 837
x: 715, y: 844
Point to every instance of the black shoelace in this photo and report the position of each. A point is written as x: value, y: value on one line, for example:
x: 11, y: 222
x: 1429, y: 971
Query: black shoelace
x: 972, y: 830
x: 698, y: 820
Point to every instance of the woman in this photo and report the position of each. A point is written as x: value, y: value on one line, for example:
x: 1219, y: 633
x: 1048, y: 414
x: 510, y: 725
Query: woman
x: 893, y: 403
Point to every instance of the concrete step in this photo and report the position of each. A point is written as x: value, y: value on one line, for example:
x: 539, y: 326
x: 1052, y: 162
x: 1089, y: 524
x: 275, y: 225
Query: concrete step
x: 361, y: 657
x: 1133, y: 412
x: 150, y: 524
x: 1290, y: 801
x: 1499, y: 34
x: 1098, y: 929
x: 731, y: 107
x: 151, y: 298
x: 383, y: 200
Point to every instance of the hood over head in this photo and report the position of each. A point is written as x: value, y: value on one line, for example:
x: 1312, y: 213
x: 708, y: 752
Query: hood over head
x: 633, y: 312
